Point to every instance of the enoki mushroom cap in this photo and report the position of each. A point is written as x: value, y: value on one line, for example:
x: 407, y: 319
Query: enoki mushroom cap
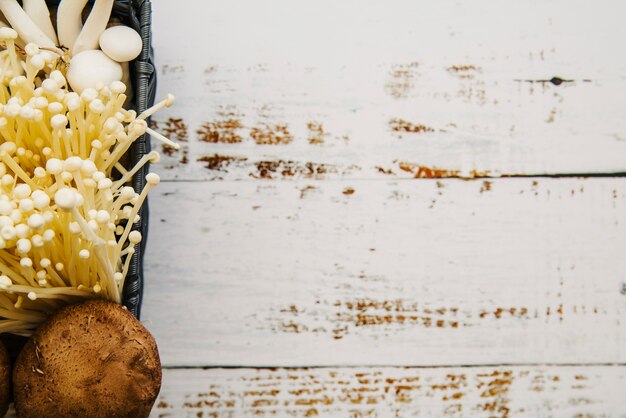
x: 66, y: 199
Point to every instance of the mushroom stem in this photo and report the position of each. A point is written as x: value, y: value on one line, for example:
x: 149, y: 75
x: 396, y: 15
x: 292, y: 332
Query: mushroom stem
x: 16, y: 327
x: 129, y: 257
x: 150, y: 157
x: 21, y: 316
x: 10, y: 162
x: 152, y: 180
x: 101, y: 252
x: 119, y: 167
x: 94, y: 26
x: 5, y: 269
x: 167, y: 102
x: 18, y: 41
x: 162, y: 138
x: 9, y: 35
x: 54, y: 276
x: 69, y: 21
x: 52, y: 292
x: 16, y: 273
x: 39, y: 13
x: 25, y: 27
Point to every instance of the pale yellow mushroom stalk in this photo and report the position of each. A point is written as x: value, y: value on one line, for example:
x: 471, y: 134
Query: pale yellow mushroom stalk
x: 95, y: 24
x: 18, y: 41
x: 25, y: 27
x: 66, y: 218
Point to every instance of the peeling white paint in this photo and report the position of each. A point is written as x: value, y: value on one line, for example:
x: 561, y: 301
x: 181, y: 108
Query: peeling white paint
x: 280, y: 62
x: 274, y: 273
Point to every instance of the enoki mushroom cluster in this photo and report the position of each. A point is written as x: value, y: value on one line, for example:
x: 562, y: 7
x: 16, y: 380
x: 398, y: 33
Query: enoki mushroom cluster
x: 66, y: 211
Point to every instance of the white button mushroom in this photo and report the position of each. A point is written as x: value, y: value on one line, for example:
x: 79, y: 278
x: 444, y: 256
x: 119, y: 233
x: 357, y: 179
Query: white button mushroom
x: 121, y: 43
x: 91, y: 67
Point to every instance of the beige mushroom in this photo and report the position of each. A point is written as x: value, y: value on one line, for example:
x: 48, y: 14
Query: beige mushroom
x: 94, y: 26
x: 69, y: 21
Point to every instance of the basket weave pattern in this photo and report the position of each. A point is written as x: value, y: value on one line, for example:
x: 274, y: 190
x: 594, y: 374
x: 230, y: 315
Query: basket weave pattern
x: 138, y: 14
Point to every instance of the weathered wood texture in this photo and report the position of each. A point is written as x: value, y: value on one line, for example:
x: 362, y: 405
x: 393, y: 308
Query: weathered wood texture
x: 349, y: 263
x: 367, y: 89
x: 440, y: 272
x: 533, y: 392
x: 480, y: 392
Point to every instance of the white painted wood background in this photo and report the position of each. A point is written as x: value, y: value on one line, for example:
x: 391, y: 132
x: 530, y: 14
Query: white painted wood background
x: 333, y: 283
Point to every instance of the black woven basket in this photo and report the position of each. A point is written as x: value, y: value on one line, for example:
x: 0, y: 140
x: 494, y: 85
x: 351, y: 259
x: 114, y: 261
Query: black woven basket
x: 138, y: 15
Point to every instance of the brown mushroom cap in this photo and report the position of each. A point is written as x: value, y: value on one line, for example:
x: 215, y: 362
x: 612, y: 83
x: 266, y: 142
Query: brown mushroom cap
x: 5, y: 380
x: 93, y: 359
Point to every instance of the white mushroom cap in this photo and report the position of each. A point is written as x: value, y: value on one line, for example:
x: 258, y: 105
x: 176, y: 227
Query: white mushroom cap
x: 65, y: 199
x: 121, y: 43
x: 91, y: 67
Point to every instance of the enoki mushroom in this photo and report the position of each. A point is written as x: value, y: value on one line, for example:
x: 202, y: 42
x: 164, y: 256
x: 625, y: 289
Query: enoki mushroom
x: 66, y: 211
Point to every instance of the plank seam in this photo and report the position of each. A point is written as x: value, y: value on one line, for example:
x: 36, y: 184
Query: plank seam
x: 390, y: 366
x: 616, y: 175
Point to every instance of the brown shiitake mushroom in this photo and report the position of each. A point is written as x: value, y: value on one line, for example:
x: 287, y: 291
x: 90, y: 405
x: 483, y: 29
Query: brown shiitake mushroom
x: 5, y: 380
x: 92, y: 359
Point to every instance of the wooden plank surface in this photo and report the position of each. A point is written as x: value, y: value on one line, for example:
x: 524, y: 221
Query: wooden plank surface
x: 439, y: 272
x: 377, y: 88
x: 350, y: 264
x: 480, y: 392
x: 534, y: 392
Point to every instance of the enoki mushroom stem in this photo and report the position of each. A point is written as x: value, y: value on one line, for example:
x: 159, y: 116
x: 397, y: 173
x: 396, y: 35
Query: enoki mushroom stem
x: 66, y: 223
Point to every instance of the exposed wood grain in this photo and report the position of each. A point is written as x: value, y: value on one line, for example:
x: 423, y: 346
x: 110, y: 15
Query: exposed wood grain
x: 534, y: 392
x: 371, y: 269
x: 446, y: 272
x: 320, y: 90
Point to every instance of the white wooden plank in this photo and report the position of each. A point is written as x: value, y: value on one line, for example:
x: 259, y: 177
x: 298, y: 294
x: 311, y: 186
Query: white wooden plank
x: 533, y: 392
x: 266, y: 273
x: 347, y: 73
